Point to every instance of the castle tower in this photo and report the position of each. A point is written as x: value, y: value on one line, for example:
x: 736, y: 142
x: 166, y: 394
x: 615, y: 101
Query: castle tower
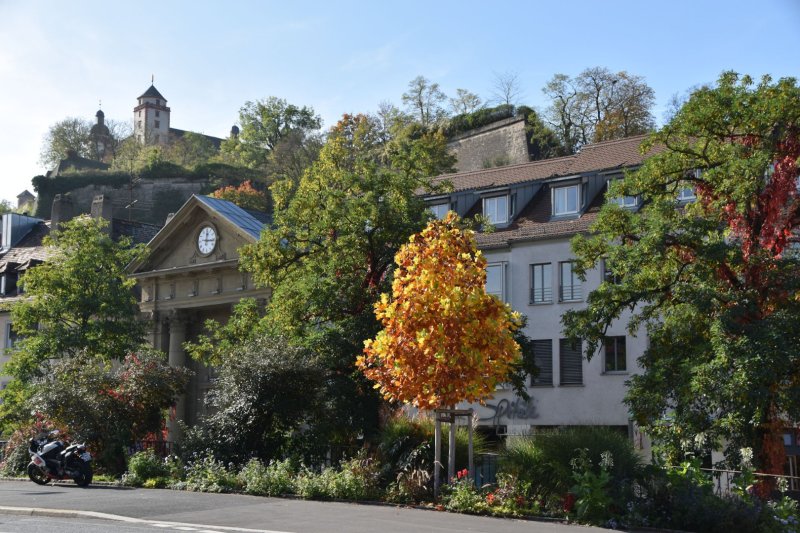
x: 102, y: 143
x: 151, y: 118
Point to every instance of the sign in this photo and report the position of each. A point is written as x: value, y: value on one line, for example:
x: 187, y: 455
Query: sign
x: 517, y: 409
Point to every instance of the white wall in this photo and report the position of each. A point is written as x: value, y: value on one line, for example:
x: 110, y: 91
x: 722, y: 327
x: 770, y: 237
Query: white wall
x: 599, y: 400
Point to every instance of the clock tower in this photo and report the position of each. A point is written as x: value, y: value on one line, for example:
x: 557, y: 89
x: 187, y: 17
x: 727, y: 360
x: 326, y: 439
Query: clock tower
x: 151, y: 118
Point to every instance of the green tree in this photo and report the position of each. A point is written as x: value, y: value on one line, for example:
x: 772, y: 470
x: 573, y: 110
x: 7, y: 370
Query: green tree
x: 266, y: 390
x: 544, y: 142
x: 423, y: 100
x: 78, y: 301
x: 715, y: 281
x: 465, y: 102
x: 70, y: 134
x: 265, y: 124
x: 598, y: 105
x: 109, y: 407
x: 190, y: 150
x: 329, y: 252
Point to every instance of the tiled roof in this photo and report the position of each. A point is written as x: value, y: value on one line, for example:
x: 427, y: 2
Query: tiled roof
x: 139, y: 232
x: 28, y: 250
x: 535, y: 221
x: 249, y: 221
x: 595, y: 157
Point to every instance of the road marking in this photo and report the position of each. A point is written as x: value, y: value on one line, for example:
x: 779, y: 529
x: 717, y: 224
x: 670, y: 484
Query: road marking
x: 69, y: 513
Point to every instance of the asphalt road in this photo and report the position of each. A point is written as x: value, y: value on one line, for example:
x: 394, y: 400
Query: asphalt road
x: 167, y: 510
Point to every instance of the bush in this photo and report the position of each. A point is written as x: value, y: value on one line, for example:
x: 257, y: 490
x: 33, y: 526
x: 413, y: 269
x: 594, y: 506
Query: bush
x: 273, y: 479
x: 210, y: 475
x: 544, y: 459
x: 407, y: 444
x: 144, y: 466
x: 356, y: 479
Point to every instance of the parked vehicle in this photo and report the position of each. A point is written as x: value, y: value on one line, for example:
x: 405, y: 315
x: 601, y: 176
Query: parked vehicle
x: 52, y: 459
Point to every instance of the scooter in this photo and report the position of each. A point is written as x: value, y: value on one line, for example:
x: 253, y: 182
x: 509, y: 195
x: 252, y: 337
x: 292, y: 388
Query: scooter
x: 51, y: 459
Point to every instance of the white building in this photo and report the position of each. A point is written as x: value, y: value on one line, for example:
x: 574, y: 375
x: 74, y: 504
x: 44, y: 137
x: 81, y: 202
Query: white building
x: 536, y: 209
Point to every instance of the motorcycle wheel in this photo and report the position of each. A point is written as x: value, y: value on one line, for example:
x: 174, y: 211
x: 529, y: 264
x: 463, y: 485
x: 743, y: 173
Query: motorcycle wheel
x: 84, y: 477
x: 37, y: 475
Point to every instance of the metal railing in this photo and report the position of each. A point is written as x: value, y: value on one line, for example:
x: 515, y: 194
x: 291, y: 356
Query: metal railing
x: 725, y: 479
x: 162, y: 448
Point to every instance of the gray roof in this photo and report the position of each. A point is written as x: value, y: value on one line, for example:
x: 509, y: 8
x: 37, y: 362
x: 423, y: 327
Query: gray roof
x: 249, y: 221
x: 152, y: 92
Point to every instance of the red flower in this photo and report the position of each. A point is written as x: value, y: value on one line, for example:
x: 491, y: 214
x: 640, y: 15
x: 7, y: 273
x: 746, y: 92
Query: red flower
x: 490, y: 498
x: 462, y: 473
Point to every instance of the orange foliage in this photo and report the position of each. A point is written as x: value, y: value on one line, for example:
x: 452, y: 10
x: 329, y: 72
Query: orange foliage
x: 444, y: 339
x: 245, y: 196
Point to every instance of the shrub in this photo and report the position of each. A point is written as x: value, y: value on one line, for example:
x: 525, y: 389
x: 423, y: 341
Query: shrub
x: 273, y: 479
x: 407, y: 444
x: 356, y: 479
x: 210, y: 475
x: 461, y: 496
x: 146, y: 465
x: 544, y: 459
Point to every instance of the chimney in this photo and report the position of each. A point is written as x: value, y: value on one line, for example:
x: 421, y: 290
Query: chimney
x: 62, y: 210
x: 102, y: 208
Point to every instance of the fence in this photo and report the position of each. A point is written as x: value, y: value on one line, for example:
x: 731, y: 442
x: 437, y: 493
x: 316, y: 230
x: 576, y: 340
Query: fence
x: 725, y: 479
x: 485, y: 469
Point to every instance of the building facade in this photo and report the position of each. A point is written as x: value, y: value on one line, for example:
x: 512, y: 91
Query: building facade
x: 536, y: 208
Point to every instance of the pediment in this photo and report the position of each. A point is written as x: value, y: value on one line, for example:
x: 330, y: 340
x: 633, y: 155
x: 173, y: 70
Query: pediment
x: 176, y: 245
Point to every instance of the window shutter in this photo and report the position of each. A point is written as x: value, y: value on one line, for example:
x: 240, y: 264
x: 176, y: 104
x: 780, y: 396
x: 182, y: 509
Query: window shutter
x: 543, y: 359
x: 571, y: 363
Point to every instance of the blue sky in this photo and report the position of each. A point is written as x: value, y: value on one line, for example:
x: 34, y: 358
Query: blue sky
x: 58, y: 59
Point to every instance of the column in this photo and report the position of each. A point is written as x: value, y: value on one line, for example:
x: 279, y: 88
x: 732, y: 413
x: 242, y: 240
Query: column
x: 177, y: 358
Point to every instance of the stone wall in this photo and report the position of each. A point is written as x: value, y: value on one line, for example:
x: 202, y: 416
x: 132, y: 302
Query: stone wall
x: 497, y: 144
x: 153, y: 199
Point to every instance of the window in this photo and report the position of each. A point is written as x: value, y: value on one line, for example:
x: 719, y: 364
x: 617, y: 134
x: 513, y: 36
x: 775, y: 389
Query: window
x: 541, y: 283
x: 495, y: 281
x: 543, y: 359
x: 624, y: 201
x: 158, y: 102
x: 570, y: 362
x: 608, y: 273
x: 566, y: 200
x: 496, y: 209
x: 615, y: 354
x: 158, y: 138
x: 569, y: 288
x: 439, y: 210
x: 158, y: 124
x: 11, y: 336
x: 158, y: 113
x: 686, y: 194
x: 139, y: 124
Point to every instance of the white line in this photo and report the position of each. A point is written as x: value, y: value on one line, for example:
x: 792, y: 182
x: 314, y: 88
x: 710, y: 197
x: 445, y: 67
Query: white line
x: 69, y: 513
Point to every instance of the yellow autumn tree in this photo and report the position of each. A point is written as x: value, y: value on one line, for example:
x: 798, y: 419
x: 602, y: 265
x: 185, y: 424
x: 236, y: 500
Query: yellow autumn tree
x: 444, y: 339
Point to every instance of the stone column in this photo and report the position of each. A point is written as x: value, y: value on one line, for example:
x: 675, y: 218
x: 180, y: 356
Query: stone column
x: 177, y: 358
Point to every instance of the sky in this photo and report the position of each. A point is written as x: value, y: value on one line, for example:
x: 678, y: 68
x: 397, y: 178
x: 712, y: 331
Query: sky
x: 61, y: 59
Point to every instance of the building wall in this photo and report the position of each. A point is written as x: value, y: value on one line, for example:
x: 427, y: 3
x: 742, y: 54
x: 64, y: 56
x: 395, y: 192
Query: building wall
x: 497, y: 144
x: 599, y: 400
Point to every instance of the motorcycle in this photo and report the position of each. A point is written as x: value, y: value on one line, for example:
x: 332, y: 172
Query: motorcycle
x: 51, y: 459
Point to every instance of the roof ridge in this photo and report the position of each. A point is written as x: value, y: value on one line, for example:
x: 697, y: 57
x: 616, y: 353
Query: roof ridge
x: 507, y: 167
x: 614, y: 141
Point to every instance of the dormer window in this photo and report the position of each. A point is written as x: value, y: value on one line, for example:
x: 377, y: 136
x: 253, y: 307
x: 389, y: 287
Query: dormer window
x: 439, y: 210
x: 624, y: 201
x: 496, y: 209
x: 566, y: 200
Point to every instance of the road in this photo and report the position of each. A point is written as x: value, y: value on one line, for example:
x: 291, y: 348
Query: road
x: 167, y: 510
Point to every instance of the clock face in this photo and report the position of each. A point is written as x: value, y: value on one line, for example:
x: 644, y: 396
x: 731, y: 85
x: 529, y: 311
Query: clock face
x: 207, y: 240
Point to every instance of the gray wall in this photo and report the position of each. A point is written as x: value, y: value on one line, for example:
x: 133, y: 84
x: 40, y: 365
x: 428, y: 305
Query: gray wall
x: 503, y: 141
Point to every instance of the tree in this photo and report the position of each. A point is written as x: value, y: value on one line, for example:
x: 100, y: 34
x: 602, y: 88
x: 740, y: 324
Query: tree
x: 506, y: 87
x: 245, y: 196
x: 110, y: 407
x: 328, y: 254
x: 423, y: 100
x: 70, y: 134
x: 544, y: 142
x: 715, y: 281
x: 190, y: 150
x: 78, y: 301
x: 599, y: 105
x: 444, y: 339
x: 264, y: 124
x: 465, y: 102
x: 266, y: 390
